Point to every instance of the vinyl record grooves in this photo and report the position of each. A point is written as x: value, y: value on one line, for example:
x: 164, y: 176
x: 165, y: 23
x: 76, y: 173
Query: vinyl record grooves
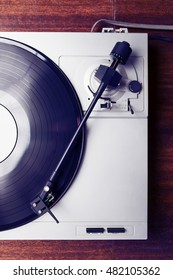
x: 39, y: 113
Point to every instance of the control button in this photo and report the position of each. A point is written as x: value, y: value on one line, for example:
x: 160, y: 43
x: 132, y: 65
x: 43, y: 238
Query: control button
x: 135, y: 86
x: 95, y: 230
x: 116, y: 230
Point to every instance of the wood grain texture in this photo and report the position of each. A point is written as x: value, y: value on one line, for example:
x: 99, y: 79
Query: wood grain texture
x: 52, y: 15
x: 144, y: 11
x: 32, y: 15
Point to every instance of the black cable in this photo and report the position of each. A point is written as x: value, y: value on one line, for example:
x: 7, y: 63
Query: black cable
x: 160, y: 38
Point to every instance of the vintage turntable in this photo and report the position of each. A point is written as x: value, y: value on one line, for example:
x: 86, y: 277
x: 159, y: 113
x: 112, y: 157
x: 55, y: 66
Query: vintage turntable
x: 65, y: 175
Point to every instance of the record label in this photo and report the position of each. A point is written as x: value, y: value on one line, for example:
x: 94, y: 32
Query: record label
x: 9, y: 133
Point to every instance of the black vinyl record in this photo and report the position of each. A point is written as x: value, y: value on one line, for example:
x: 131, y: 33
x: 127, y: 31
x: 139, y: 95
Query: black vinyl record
x: 40, y: 112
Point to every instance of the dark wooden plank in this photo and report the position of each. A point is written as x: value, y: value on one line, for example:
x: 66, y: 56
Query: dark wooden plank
x: 52, y: 15
x: 141, y: 11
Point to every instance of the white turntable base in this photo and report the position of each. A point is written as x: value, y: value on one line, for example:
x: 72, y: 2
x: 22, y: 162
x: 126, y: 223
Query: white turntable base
x: 110, y: 189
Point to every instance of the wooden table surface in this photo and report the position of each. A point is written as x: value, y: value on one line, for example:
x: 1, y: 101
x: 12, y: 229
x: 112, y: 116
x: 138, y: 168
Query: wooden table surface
x: 67, y: 15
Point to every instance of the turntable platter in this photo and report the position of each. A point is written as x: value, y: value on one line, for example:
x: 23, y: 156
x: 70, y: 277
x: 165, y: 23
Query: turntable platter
x: 40, y: 112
